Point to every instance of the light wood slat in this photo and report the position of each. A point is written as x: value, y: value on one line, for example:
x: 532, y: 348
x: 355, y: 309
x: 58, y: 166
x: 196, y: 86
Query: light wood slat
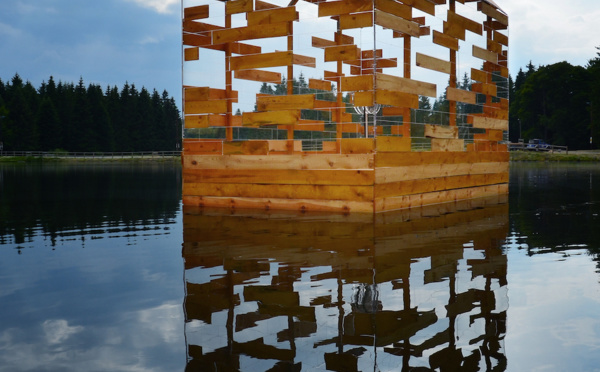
x: 196, y: 40
x: 263, y: 5
x: 301, y: 60
x: 423, y: 186
x: 424, y: 171
x: 491, y: 11
x: 417, y: 158
x: 397, y: 24
x: 195, y: 12
x: 357, y: 146
x: 501, y: 38
x: 391, y: 82
x: 479, y: 75
x: 207, y: 94
x: 304, y: 161
x: 445, y: 40
x: 364, y: 98
x: 349, y: 177
x: 289, y: 102
x: 447, y: 144
x: 341, y: 53
x: 440, y: 131
x: 356, y: 20
x: 239, y: 6
x: 319, y: 84
x: 494, y: 46
x: 285, y: 117
x: 191, y: 54
x: 466, y: 23
x: 250, y: 32
x: 439, y: 197
x: 489, y: 123
x: 333, y: 8
x: 356, y: 83
x: 433, y: 63
x: 461, y: 95
x: 207, y: 121
x: 276, y: 15
x: 203, y: 147
x: 318, y: 42
x: 274, y: 59
x: 487, y: 89
x: 301, y: 205
x: 396, y: 98
x: 454, y: 30
x: 205, y: 107
x: 422, y: 5
x: 392, y: 144
x: 280, y: 191
x: 394, y: 8
x: 199, y: 27
x: 258, y: 75
x: 245, y: 148
x: 484, y: 54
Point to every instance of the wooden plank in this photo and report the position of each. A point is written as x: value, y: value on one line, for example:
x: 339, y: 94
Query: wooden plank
x: 395, y: 23
x: 461, y: 95
x: 228, y: 35
x: 356, y: 177
x: 422, y: 5
x: 484, y: 54
x: 238, y: 6
x: 343, y: 39
x: 206, y: 94
x: 494, y: 46
x: 396, y: 98
x: 396, y: 111
x: 465, y: 23
x: 441, y: 131
x: 310, y: 125
x: 445, y: 40
x: 287, y: 14
x: 491, y: 11
x: 207, y: 121
x: 489, y: 135
x: 279, y: 191
x: 301, y: 205
x: 356, y: 20
x: 447, y: 144
x: 392, y: 144
x: 195, y: 12
x: 303, y: 161
x: 202, y: 147
x: 381, y: 63
x: 273, y: 59
x: 395, y: 8
x: 487, y: 89
x: 489, y: 123
x: 290, y: 102
x: 415, y: 187
x: 479, y: 75
x: 500, y: 38
x: 454, y: 30
x: 258, y: 75
x: 341, y: 53
x: 356, y: 83
x: 263, y: 5
x: 196, y: 40
x: 357, y: 145
x: 318, y: 42
x: 396, y: 83
x: 425, y: 171
x: 364, y: 98
x: 383, y: 160
x: 334, y: 8
x: 319, y: 84
x: 285, y: 117
x: 191, y: 54
x: 301, y: 60
x: 246, y: 148
x: 205, y: 107
x: 433, y: 63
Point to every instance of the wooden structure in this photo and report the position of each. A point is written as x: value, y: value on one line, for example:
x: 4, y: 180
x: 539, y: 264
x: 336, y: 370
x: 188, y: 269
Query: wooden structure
x: 280, y: 291
x: 324, y: 105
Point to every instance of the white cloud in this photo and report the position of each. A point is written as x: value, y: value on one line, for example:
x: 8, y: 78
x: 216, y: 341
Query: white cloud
x: 59, y: 330
x: 160, y: 6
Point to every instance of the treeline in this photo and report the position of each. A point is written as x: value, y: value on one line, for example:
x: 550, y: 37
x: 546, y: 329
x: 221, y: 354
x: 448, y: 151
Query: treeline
x: 559, y: 103
x: 75, y: 118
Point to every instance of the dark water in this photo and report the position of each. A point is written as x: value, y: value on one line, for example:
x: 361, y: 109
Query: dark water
x: 101, y: 269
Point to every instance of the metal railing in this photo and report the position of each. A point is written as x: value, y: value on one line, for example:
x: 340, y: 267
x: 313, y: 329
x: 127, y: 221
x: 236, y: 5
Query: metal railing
x: 93, y: 155
x: 521, y: 146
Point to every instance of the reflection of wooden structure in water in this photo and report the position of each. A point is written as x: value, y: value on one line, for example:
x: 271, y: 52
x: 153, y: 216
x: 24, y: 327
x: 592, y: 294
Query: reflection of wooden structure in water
x: 303, y: 147
x: 341, y: 294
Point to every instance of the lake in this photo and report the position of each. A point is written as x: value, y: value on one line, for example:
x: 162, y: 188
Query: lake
x: 103, y: 269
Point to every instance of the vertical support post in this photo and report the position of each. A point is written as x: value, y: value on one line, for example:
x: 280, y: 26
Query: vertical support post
x: 290, y: 85
x: 228, y: 85
x: 453, y: 77
x: 339, y: 96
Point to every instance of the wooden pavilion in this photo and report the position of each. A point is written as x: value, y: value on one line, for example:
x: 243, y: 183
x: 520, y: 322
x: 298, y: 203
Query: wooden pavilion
x: 326, y: 105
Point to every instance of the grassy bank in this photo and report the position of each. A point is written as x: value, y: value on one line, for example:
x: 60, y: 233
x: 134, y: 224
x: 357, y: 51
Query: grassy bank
x: 71, y: 159
x: 572, y: 156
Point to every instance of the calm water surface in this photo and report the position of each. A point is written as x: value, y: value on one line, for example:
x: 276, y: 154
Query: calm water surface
x: 102, y: 269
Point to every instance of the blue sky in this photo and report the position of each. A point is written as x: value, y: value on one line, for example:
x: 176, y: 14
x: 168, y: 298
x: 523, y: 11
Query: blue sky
x: 109, y: 42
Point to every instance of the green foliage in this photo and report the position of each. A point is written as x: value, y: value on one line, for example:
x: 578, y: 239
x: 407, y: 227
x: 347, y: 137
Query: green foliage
x: 79, y: 118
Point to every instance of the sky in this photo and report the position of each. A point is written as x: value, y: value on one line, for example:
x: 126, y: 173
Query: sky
x: 111, y: 42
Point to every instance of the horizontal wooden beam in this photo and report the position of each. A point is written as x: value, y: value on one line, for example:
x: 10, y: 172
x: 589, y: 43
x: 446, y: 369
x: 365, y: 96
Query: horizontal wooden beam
x: 349, y: 177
